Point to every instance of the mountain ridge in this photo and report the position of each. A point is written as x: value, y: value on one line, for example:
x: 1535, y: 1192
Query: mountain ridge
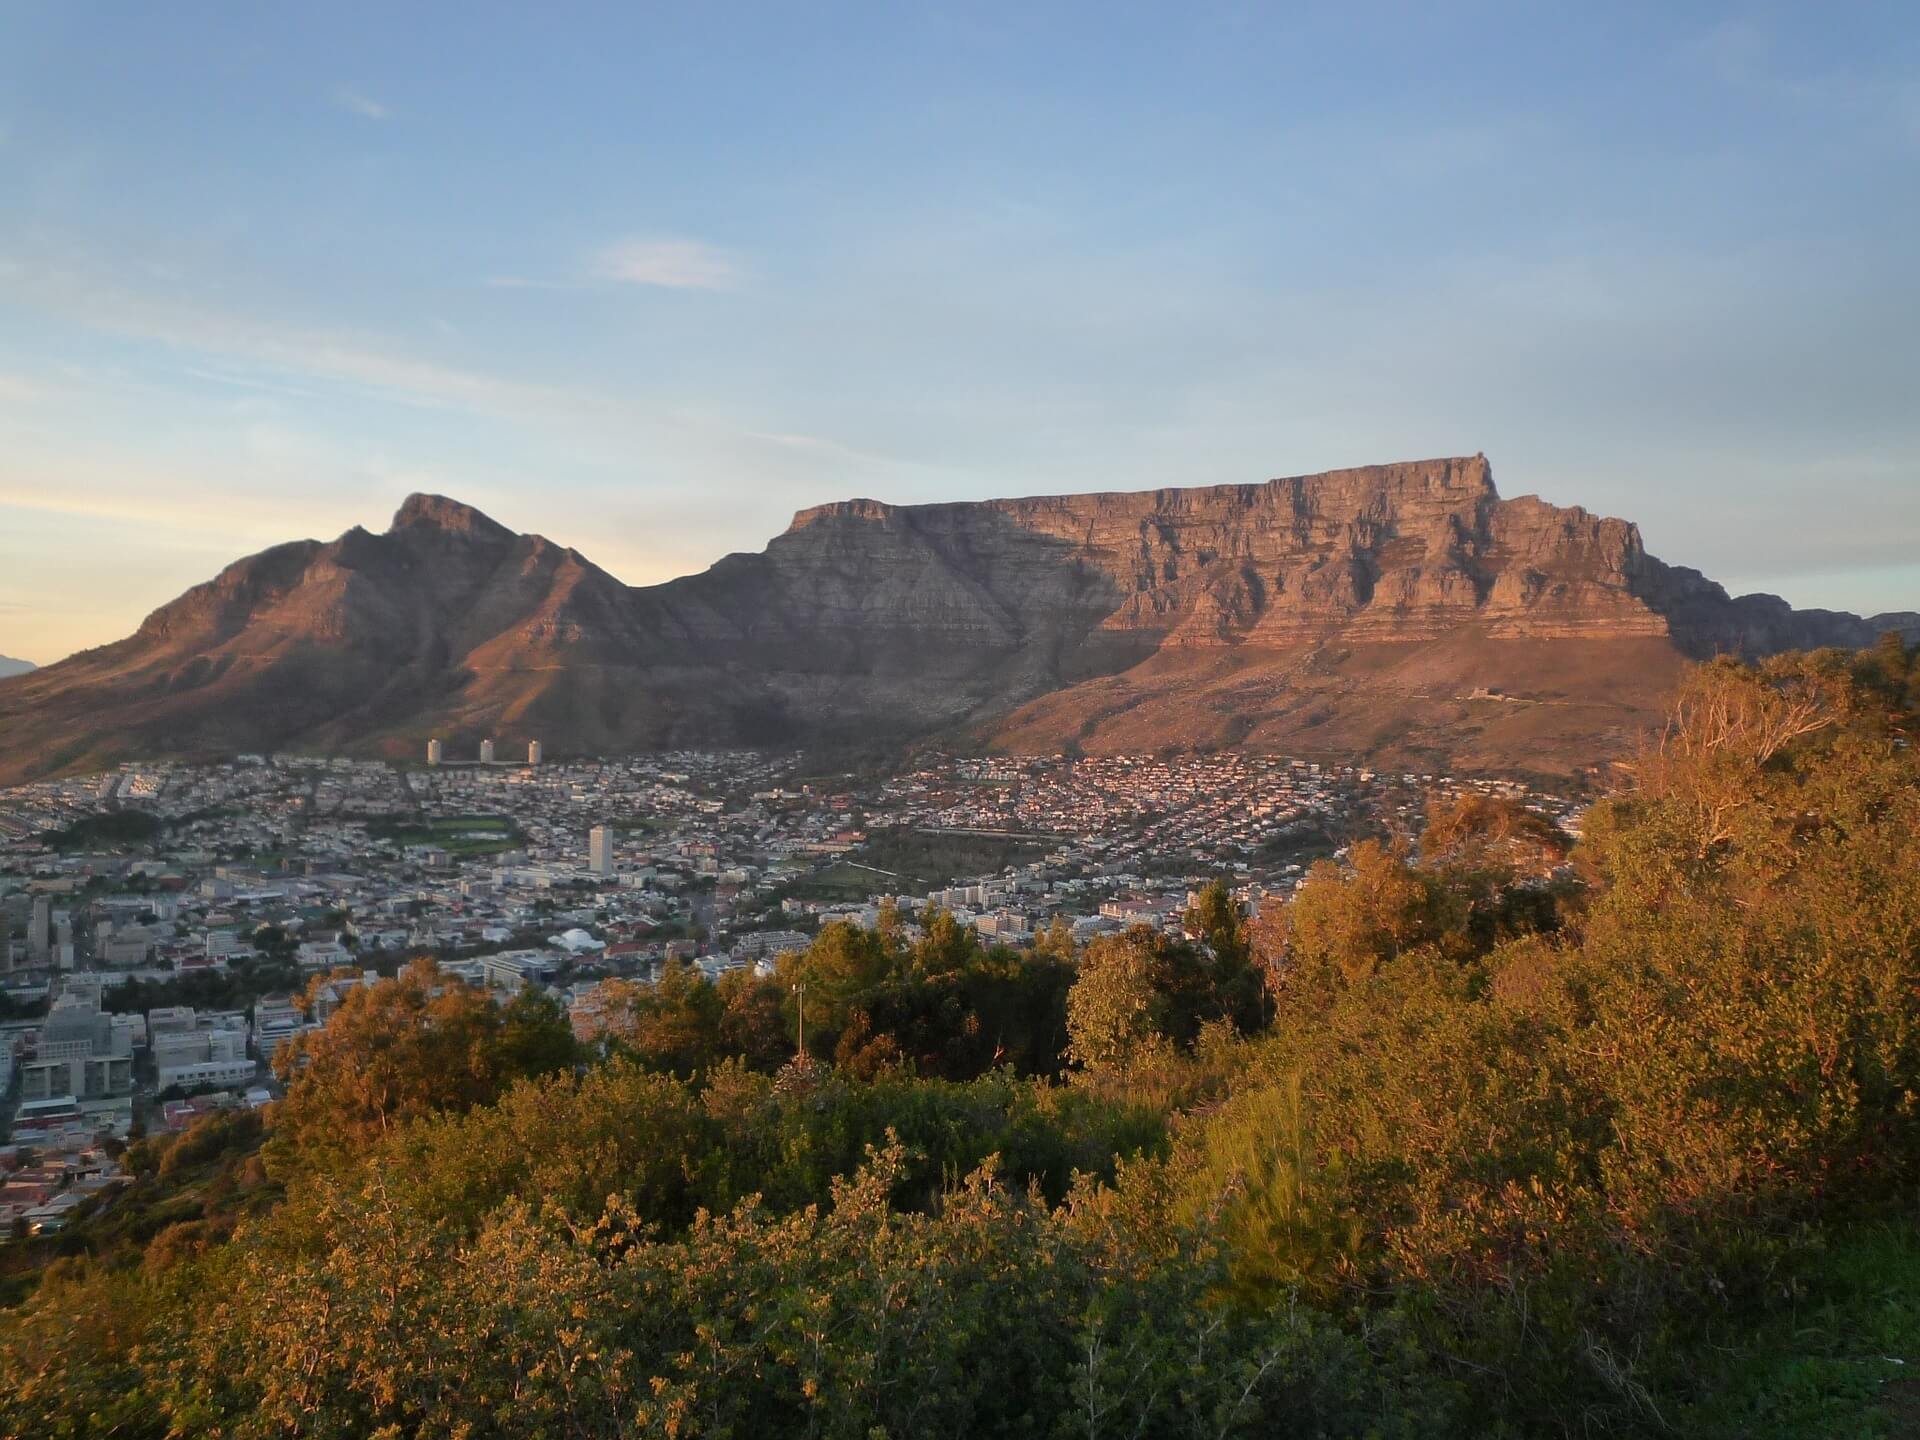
x: 1354, y: 612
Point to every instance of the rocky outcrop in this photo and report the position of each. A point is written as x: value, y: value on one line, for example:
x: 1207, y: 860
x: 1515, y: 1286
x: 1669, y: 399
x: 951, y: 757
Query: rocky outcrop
x: 1395, y: 552
x: 1026, y: 621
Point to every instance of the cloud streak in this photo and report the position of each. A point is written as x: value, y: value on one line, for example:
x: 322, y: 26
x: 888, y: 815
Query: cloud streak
x: 242, y: 341
x: 669, y: 264
x: 355, y: 103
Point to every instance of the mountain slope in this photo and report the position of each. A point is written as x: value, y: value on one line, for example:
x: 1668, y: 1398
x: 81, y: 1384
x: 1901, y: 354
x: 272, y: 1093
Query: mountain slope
x: 10, y: 666
x: 1354, y: 612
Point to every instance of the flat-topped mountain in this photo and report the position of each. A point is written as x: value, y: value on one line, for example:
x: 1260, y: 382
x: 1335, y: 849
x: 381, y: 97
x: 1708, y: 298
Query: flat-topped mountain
x: 1404, y: 613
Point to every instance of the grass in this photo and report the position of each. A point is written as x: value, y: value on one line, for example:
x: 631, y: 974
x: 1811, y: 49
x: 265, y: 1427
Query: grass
x: 1833, y: 1367
x: 841, y: 882
x: 916, y: 862
x: 925, y: 861
x: 110, y: 830
x: 643, y: 825
x: 456, y: 834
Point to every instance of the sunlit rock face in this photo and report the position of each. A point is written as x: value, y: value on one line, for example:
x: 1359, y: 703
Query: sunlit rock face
x: 1026, y: 623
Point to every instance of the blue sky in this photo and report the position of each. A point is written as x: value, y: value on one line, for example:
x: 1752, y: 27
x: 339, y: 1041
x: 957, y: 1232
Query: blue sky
x: 649, y: 278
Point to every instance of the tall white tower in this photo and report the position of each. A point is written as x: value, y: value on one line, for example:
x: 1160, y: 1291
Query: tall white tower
x: 533, y: 752
x: 433, y: 752
x: 486, y: 752
x: 600, y: 850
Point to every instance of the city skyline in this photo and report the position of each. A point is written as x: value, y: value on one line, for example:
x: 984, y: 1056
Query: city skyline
x: 648, y: 284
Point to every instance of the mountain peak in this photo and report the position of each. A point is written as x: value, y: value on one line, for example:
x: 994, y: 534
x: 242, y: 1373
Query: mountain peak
x: 878, y: 510
x: 1402, y: 613
x: 438, y: 512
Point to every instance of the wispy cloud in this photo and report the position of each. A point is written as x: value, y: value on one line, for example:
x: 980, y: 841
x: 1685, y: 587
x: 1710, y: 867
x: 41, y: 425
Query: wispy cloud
x: 822, y: 448
x: 242, y: 345
x: 365, y: 106
x: 670, y: 264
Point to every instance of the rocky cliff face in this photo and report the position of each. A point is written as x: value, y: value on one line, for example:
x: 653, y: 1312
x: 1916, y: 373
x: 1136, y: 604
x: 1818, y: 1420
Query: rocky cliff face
x: 1393, y: 552
x: 1373, y: 594
x: 1390, y: 553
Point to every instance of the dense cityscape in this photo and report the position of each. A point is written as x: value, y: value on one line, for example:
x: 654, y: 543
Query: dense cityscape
x: 171, y: 926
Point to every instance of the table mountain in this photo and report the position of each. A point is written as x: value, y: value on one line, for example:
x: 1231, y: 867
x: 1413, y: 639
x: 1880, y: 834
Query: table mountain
x: 1402, y: 612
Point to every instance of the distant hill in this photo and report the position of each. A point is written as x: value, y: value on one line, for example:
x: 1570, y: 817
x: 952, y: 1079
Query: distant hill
x: 10, y: 666
x: 1404, y: 614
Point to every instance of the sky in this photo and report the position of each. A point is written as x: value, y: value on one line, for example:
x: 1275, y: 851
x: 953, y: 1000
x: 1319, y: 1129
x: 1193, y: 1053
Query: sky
x: 648, y: 278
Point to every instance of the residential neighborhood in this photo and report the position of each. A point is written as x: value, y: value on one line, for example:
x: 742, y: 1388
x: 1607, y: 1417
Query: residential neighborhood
x: 170, y: 927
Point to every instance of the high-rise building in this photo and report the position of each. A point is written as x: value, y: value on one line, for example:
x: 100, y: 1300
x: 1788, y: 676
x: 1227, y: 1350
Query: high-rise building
x: 40, y: 931
x: 486, y: 752
x: 600, y: 850
x: 533, y: 752
x: 434, y: 752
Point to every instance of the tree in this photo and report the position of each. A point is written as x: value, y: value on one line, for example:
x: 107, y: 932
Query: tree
x: 1215, y: 917
x: 753, y: 1023
x: 1892, y: 669
x: 1473, y: 831
x: 1344, y: 922
x: 1055, y: 942
x: 1115, y: 1010
x: 402, y: 1048
x: 945, y: 946
x: 1753, y: 952
x: 844, y: 963
x: 1238, y: 992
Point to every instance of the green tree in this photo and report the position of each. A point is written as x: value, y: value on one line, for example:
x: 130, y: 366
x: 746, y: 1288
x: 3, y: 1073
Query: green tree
x: 1345, y: 921
x: 1115, y: 1012
x: 402, y: 1048
x: 753, y: 1024
x: 1055, y: 942
x: 672, y: 1024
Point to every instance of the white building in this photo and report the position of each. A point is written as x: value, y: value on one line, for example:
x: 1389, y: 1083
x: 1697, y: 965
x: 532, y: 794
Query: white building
x: 320, y: 954
x: 276, y: 1020
x: 169, y: 1020
x: 600, y: 850
x: 770, y: 942
x: 577, y: 942
x: 486, y: 752
x: 205, y: 1057
x: 512, y: 970
x: 1003, y: 924
x: 533, y: 752
x: 434, y: 752
x: 75, y: 1029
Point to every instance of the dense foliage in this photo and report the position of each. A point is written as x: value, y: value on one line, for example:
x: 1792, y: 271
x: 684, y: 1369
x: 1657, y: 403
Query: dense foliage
x: 1474, y: 1136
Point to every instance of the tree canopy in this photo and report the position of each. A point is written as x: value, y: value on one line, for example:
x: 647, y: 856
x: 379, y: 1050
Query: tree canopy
x: 1477, y: 1134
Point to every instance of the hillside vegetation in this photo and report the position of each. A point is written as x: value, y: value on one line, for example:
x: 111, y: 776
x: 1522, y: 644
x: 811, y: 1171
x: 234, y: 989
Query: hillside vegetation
x: 1482, y: 1137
